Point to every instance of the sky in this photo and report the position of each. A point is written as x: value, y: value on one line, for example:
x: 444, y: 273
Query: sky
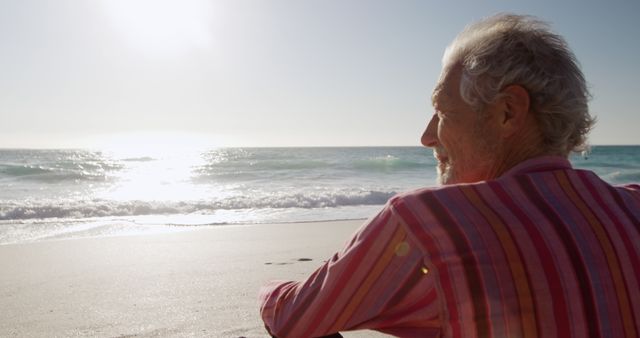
x: 87, y: 73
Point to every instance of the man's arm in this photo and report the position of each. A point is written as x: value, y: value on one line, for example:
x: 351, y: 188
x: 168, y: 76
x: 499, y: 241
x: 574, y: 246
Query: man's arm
x: 377, y: 281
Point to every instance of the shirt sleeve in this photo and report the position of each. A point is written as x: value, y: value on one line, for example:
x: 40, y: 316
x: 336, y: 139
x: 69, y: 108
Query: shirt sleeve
x: 378, y: 281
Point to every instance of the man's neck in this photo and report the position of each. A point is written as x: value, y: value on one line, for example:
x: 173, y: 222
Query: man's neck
x: 520, y: 148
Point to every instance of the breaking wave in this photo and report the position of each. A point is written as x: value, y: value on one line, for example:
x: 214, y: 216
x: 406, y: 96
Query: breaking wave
x: 108, y: 208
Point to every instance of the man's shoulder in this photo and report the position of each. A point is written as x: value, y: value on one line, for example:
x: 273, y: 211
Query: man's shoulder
x: 438, y: 190
x: 415, y: 194
x: 633, y: 187
x: 422, y: 196
x: 630, y: 189
x: 593, y: 178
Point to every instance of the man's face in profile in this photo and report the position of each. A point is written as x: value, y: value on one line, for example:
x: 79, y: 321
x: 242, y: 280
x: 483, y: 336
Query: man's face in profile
x: 460, y: 137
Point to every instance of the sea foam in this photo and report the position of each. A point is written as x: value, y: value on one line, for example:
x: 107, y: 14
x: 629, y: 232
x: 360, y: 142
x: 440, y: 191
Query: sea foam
x: 19, y: 210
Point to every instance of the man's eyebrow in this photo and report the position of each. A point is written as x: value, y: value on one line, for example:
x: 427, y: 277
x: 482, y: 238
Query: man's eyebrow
x: 434, y: 95
x: 438, y: 94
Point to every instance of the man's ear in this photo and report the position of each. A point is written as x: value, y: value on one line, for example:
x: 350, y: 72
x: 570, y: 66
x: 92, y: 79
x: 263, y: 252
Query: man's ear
x: 516, y: 106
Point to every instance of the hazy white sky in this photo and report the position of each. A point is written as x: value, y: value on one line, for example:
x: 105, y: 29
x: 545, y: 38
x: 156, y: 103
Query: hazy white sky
x: 270, y: 73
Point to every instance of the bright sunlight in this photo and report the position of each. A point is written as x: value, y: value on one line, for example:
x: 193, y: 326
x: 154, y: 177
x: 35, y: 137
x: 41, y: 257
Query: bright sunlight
x: 162, y: 27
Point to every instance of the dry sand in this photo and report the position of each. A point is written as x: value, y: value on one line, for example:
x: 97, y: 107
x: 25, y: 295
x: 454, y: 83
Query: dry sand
x: 200, y: 283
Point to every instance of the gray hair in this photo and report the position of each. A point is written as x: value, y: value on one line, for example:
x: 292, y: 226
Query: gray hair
x: 510, y: 49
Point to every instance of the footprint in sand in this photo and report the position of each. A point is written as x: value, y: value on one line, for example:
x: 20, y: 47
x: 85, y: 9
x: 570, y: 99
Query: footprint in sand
x: 285, y: 263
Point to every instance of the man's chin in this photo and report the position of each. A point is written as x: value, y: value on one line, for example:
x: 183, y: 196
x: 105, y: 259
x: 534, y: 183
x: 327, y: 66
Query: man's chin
x: 444, y: 176
x: 444, y: 181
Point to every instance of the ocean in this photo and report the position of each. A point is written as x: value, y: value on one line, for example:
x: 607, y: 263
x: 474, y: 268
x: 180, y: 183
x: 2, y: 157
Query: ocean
x: 56, y: 194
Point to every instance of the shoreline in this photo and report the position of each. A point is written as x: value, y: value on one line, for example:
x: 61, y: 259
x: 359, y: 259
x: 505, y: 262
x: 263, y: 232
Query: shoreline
x: 144, y: 229
x: 200, y: 282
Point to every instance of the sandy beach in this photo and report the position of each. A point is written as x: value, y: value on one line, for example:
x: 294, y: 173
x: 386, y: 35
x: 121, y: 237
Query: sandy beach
x: 201, y: 282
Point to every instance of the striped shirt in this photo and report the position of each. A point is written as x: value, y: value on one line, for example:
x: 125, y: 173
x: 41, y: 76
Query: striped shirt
x: 545, y: 250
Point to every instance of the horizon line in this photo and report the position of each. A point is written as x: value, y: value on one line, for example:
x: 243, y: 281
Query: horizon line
x: 280, y: 146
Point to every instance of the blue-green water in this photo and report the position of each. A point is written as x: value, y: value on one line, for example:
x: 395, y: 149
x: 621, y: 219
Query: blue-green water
x: 615, y: 164
x: 74, y: 193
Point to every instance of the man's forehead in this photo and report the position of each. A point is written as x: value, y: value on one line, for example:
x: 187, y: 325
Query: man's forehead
x: 440, y: 95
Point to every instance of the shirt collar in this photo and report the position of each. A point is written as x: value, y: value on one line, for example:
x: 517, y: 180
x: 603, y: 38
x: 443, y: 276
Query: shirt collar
x: 542, y: 163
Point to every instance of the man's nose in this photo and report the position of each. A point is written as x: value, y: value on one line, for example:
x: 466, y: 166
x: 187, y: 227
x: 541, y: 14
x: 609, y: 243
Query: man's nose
x: 430, y: 136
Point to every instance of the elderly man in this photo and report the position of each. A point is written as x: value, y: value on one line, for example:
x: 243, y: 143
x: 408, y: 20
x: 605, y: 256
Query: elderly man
x: 516, y: 243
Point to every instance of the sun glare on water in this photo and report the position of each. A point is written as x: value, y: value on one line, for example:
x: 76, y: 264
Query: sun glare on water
x: 156, y: 166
